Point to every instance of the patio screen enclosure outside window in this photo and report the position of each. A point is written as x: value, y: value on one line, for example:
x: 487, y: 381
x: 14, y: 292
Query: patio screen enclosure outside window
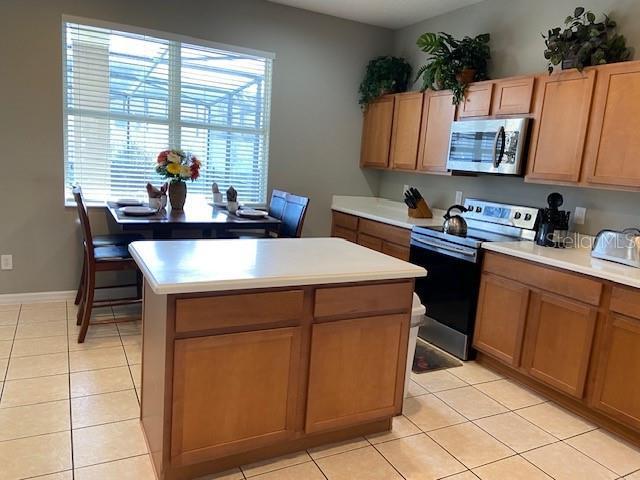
x: 130, y: 94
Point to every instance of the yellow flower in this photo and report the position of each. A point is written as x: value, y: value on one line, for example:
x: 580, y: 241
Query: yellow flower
x: 185, y: 171
x: 173, y: 168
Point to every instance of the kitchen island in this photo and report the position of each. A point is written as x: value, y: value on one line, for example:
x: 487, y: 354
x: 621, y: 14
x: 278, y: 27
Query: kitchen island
x: 256, y: 348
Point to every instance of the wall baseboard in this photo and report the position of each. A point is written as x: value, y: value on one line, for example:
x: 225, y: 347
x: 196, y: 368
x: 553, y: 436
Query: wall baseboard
x: 37, y: 297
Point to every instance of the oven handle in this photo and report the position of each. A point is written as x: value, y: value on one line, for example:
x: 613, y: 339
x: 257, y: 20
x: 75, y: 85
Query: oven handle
x: 444, y: 246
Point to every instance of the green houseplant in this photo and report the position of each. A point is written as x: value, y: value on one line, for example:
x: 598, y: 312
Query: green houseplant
x: 384, y: 75
x: 453, y: 63
x: 584, y: 42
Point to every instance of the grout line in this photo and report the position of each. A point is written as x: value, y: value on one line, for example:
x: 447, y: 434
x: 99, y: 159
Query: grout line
x: 6, y: 371
x: 73, y: 470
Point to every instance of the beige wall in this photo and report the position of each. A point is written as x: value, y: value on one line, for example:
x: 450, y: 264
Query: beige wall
x: 315, y: 122
x: 517, y: 48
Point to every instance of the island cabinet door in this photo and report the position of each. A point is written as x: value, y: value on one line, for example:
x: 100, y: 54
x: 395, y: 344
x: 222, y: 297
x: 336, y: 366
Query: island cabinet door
x: 558, y: 342
x: 617, y: 386
x: 356, y: 372
x: 500, y: 320
x: 233, y: 393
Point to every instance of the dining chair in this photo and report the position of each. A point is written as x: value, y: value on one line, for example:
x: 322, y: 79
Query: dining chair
x: 100, y: 258
x: 291, y: 210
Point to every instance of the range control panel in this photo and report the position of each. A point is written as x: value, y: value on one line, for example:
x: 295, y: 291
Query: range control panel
x: 504, y: 214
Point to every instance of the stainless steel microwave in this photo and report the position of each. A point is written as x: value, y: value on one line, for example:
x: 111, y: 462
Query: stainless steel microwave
x: 488, y: 146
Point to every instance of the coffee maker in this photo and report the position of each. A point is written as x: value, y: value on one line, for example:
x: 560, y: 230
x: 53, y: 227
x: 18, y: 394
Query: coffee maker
x: 554, y: 223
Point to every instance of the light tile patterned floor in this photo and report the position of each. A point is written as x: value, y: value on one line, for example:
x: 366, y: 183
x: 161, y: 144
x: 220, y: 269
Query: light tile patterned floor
x: 70, y: 411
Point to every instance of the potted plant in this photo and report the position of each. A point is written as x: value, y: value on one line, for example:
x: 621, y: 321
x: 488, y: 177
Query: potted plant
x: 178, y: 166
x: 584, y: 42
x: 384, y: 75
x: 453, y: 63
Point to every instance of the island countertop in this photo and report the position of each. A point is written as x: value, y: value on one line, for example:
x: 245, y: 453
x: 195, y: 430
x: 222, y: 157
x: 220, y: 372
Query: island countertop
x: 193, y: 266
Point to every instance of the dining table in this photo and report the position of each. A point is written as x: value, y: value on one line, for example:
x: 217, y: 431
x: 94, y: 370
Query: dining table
x: 211, y: 220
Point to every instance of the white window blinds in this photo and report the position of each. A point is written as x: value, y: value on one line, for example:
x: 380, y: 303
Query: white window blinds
x: 128, y: 96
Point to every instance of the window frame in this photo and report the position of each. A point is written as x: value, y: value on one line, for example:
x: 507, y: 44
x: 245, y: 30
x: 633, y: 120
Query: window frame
x: 175, y: 124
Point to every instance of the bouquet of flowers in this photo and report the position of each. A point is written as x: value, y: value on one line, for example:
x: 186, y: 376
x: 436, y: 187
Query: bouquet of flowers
x: 178, y: 165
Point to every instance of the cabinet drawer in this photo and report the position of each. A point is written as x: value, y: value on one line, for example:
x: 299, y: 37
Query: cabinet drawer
x: 562, y: 283
x: 345, y: 221
x: 345, y: 233
x: 625, y: 301
x: 370, y: 242
x: 226, y: 311
x: 388, y: 232
x: 395, y: 250
x: 363, y: 300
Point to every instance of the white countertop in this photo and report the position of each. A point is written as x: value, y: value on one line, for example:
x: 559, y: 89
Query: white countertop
x: 385, y: 211
x: 574, y: 259
x: 190, y: 266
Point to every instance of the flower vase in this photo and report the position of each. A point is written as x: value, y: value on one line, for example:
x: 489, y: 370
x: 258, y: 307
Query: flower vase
x: 177, y: 194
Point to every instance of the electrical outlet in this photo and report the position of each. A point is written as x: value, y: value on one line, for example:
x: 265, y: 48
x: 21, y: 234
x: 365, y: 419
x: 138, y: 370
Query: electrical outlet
x: 458, y: 198
x: 405, y: 188
x: 6, y: 262
x: 579, y: 215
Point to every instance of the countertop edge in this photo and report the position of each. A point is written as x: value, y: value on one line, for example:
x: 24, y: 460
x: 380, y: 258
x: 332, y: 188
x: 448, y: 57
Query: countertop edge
x: 413, y: 271
x: 565, y: 265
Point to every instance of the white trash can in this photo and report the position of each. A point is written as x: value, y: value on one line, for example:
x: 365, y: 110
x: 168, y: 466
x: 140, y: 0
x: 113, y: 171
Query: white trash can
x: 417, y: 318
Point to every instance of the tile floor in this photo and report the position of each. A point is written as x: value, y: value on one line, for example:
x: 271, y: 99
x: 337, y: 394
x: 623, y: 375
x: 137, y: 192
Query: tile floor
x: 69, y: 411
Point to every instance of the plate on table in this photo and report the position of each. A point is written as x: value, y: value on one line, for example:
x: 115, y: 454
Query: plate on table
x: 252, y: 213
x: 137, y: 211
x: 128, y: 202
x: 222, y: 205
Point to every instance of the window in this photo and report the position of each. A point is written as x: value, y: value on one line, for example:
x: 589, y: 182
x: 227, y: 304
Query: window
x: 129, y: 95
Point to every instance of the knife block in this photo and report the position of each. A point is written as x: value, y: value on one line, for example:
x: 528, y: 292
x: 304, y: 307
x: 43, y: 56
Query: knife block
x: 422, y: 210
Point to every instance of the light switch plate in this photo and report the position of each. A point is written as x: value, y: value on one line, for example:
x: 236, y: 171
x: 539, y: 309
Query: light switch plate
x: 579, y: 215
x: 6, y: 262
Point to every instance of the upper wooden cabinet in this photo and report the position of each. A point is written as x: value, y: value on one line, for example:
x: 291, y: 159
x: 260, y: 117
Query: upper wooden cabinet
x: 407, y: 114
x: 563, y: 105
x: 376, y: 133
x: 613, y: 148
x: 438, y: 113
x: 512, y: 96
x: 477, y: 100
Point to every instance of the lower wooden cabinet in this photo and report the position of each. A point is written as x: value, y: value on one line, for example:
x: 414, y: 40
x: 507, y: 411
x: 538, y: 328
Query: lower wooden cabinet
x: 227, y: 399
x: 389, y: 239
x: 558, y: 344
x: 574, y: 337
x: 502, y: 311
x: 617, y: 385
x: 356, y: 372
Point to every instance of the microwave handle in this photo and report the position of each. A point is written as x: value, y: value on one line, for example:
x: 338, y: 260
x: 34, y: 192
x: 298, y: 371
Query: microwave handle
x: 497, y: 156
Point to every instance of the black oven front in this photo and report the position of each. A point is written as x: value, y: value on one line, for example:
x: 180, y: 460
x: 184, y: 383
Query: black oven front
x: 449, y: 292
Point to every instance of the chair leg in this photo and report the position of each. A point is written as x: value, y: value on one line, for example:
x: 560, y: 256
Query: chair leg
x: 80, y: 293
x: 88, y: 303
x: 83, y: 298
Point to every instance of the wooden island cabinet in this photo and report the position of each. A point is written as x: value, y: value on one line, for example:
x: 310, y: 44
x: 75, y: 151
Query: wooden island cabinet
x: 574, y: 337
x: 247, y: 361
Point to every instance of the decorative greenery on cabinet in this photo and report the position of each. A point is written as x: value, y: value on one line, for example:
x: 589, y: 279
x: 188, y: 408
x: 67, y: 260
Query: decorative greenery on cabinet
x: 584, y: 42
x: 453, y: 63
x: 384, y: 75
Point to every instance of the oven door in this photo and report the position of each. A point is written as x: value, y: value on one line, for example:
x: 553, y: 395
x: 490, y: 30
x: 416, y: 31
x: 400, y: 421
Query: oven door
x: 488, y: 146
x: 450, y: 294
